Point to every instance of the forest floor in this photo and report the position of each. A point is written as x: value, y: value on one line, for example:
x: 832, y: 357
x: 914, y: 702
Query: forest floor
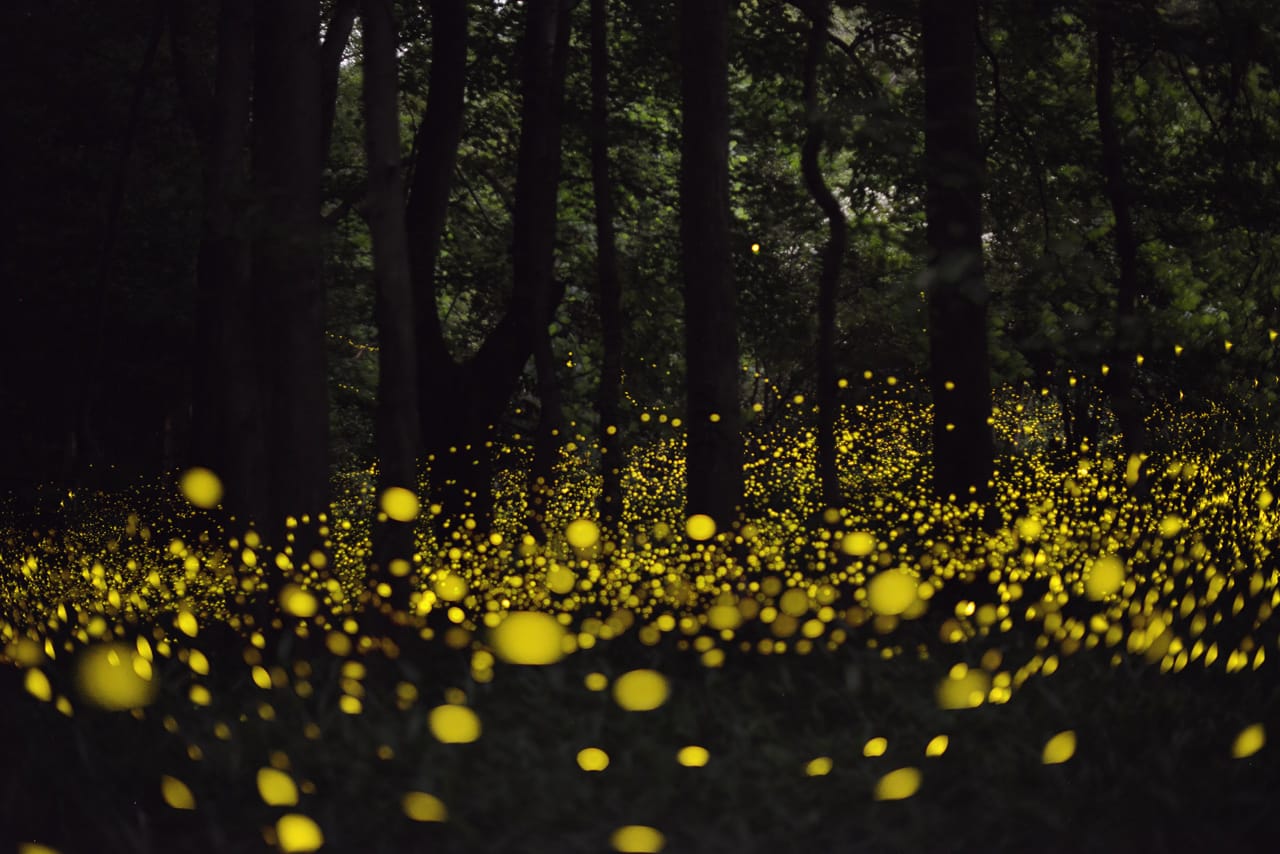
x: 1097, y: 672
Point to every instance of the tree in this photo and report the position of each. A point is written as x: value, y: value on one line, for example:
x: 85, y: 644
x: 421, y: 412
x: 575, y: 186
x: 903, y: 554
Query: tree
x: 1119, y: 380
x: 397, y: 408
x: 534, y: 227
x: 713, y: 452
x: 227, y: 422
x: 460, y: 403
x: 959, y: 380
x: 832, y: 258
x: 609, y: 393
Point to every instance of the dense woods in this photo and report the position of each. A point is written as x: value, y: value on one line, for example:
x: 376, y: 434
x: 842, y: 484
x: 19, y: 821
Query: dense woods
x: 415, y: 288
x: 1067, y: 198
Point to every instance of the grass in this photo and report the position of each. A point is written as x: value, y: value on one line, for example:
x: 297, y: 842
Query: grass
x: 1008, y: 640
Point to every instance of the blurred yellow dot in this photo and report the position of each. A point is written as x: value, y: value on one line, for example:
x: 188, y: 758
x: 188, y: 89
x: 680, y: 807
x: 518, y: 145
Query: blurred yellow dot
x: 1060, y: 748
x: 37, y: 685
x: 966, y: 689
x: 596, y: 681
x: 1250, y: 740
x: 755, y: 248
x: 1105, y: 577
x: 857, y: 544
x: 897, y: 785
x: 875, y: 747
x: 641, y: 690
x: 201, y: 487
x: 1170, y: 526
x: 453, y: 724
x: 891, y: 592
x: 296, y: 832
x: 561, y: 580
x: 187, y: 624
x: 582, y: 533
x: 420, y: 806
x: 450, y: 586
x: 794, y: 602
x: 106, y: 677
x: 35, y: 848
x: 937, y: 745
x: 400, y: 504
x: 276, y: 788
x: 298, y: 602
x: 638, y: 839
x: 176, y: 794
x: 700, y: 527
x: 592, y: 759
x: 693, y: 756
x: 819, y: 767
x: 528, y: 637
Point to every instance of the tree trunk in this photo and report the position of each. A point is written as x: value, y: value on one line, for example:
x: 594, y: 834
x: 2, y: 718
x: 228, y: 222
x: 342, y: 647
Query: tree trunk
x: 227, y: 425
x: 959, y: 377
x: 397, y: 408
x: 534, y: 228
x: 714, y: 444
x: 287, y: 164
x: 1119, y: 381
x: 832, y: 259
x: 609, y: 393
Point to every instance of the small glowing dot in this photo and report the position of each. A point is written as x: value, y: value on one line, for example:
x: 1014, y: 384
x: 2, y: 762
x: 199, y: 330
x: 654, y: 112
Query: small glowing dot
x: 592, y: 759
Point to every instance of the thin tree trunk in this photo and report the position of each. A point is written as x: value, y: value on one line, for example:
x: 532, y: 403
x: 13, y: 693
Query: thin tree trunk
x: 534, y: 228
x: 832, y: 259
x: 1119, y: 381
x: 959, y: 377
x: 397, y: 408
x: 288, y: 136
x: 714, y: 445
x: 609, y: 393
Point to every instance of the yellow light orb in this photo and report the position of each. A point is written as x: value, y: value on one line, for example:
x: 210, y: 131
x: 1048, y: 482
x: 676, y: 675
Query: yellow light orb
x: 592, y: 759
x: 298, y: 833
x: 693, y: 756
x: 450, y: 586
x: 420, y: 806
x: 107, y: 678
x: 582, y: 533
x: 400, y: 504
x: 453, y: 724
x: 892, y: 592
x: 176, y: 793
x: 201, y: 487
x: 755, y: 248
x: 1250, y: 740
x: 1105, y: 577
x: 819, y: 767
x: 641, y: 690
x: 638, y: 839
x: 700, y: 527
x: 1060, y: 748
x: 897, y: 785
x: 857, y: 544
x: 276, y: 788
x: 966, y: 690
x: 298, y: 602
x: 528, y: 637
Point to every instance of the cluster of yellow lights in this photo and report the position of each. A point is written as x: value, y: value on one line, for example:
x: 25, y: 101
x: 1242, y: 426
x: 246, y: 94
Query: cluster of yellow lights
x: 1076, y: 561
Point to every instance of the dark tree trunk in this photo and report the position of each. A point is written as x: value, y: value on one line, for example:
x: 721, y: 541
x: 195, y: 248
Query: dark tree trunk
x: 609, y: 393
x: 227, y: 425
x: 714, y: 444
x: 534, y: 228
x: 452, y: 442
x: 288, y: 135
x: 397, y: 409
x: 1119, y: 381
x: 832, y: 259
x: 959, y: 376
